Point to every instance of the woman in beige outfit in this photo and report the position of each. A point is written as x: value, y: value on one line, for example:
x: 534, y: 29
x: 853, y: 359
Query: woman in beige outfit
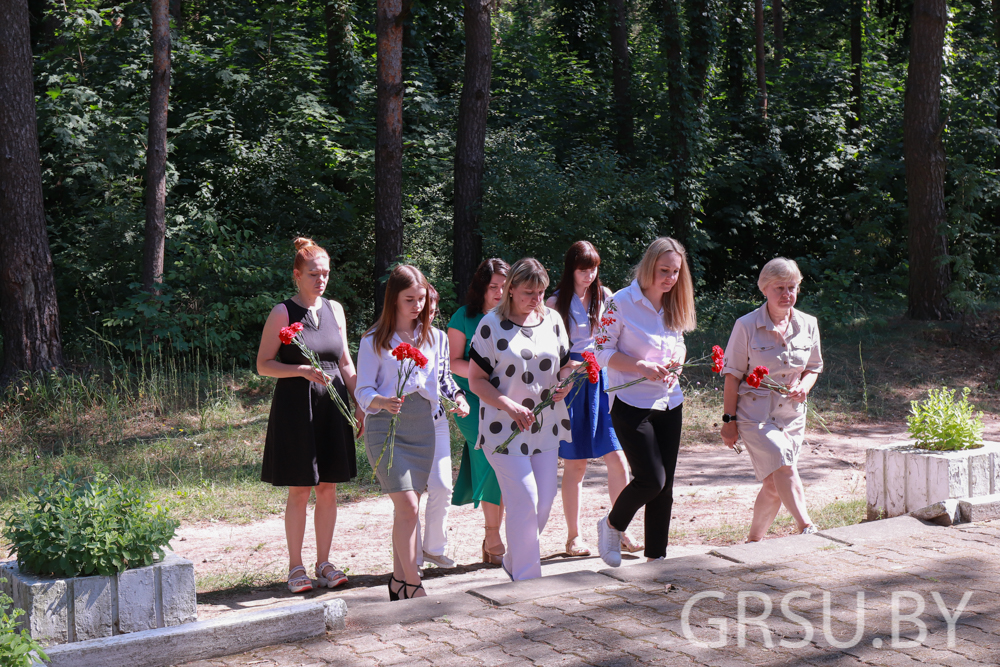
x: 772, y: 424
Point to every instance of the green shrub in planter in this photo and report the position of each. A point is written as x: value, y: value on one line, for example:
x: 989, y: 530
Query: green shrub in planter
x: 72, y: 527
x: 941, y: 423
x: 17, y: 648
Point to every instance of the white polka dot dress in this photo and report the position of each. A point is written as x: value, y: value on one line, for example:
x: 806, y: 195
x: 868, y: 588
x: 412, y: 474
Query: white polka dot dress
x: 523, y: 364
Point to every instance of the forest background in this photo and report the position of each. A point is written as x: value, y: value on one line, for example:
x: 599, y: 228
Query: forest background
x: 272, y: 134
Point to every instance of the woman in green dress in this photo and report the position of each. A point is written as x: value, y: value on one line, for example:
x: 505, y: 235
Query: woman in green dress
x: 477, y: 483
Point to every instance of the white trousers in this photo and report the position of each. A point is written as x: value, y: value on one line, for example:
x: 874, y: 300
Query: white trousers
x: 528, y: 485
x: 435, y: 538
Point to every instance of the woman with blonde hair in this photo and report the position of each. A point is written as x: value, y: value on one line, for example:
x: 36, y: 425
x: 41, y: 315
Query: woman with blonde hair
x: 518, y: 354
x: 402, y: 472
x: 309, y: 444
x: 642, y: 338
x: 770, y: 421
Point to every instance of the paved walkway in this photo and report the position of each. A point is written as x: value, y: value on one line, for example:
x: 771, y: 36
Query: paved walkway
x: 868, y: 594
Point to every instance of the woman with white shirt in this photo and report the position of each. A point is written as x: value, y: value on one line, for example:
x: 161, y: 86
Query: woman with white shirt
x: 772, y: 423
x: 642, y: 338
x: 405, y: 319
x: 580, y: 300
x: 518, y: 354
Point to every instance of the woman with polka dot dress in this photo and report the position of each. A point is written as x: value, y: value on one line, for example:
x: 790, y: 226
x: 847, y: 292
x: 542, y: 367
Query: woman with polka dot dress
x: 520, y: 352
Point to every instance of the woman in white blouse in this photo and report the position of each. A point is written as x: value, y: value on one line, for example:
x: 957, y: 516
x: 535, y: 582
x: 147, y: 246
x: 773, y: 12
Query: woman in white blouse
x: 772, y: 424
x: 405, y: 319
x: 518, y: 352
x: 642, y: 338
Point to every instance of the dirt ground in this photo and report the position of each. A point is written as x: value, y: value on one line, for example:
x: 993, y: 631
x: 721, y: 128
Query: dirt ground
x: 713, y: 487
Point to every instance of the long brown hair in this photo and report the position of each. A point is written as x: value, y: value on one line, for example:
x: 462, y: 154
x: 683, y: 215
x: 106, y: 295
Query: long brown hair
x: 401, y: 278
x: 476, y: 295
x: 678, y: 303
x: 581, y: 255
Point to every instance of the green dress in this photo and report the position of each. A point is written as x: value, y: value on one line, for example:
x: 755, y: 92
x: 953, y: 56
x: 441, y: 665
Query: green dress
x: 476, y: 480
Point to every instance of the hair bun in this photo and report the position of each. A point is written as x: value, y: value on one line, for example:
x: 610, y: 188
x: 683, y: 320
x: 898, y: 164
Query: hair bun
x: 302, y: 242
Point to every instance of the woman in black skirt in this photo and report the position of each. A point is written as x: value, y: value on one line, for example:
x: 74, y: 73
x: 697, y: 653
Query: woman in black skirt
x: 309, y: 443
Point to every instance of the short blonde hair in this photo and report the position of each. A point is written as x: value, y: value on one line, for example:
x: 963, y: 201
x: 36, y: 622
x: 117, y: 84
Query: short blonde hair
x: 779, y: 268
x: 678, y: 303
x: 525, y: 271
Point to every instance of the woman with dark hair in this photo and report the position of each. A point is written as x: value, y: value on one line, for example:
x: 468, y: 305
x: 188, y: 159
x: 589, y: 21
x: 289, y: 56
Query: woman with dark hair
x: 580, y: 300
x: 402, y: 473
x: 477, y: 483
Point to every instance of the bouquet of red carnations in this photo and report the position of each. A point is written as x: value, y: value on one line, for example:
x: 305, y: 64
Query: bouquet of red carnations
x: 410, y: 358
x: 289, y: 335
x: 588, y: 368
x: 716, y: 358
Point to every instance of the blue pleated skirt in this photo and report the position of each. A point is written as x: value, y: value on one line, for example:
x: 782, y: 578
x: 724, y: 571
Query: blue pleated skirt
x: 590, y: 419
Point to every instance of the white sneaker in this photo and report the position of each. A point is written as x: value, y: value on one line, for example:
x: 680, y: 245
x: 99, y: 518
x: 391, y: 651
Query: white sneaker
x: 810, y: 529
x: 440, y: 561
x: 609, y: 543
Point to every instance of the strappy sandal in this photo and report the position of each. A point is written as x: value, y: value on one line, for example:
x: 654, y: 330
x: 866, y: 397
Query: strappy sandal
x: 493, y: 557
x: 406, y: 589
x: 327, y: 578
x: 394, y: 594
x: 576, y: 547
x: 301, y: 583
x: 630, y: 545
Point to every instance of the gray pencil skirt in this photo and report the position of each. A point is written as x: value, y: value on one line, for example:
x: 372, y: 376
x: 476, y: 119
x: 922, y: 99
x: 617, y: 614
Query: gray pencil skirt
x: 413, y: 452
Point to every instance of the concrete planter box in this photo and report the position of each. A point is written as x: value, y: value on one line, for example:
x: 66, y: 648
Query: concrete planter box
x: 79, y: 608
x: 900, y: 478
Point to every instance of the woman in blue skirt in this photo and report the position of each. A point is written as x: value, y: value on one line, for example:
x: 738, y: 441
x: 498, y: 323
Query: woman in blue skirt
x: 580, y: 299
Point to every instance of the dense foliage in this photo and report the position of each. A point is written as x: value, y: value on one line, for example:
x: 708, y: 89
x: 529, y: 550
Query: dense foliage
x: 71, y: 527
x: 17, y: 648
x: 263, y: 147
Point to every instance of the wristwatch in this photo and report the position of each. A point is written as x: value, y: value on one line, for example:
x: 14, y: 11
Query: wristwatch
x: 726, y: 418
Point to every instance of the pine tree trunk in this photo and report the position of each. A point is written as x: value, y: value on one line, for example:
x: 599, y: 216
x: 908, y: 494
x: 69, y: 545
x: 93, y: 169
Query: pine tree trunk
x: 857, y: 10
x: 923, y: 150
x: 470, y: 142
x: 758, y: 16
x: 677, y: 94
x: 701, y: 23
x: 778, y: 24
x: 388, y: 141
x: 156, y: 150
x: 29, y: 314
x: 734, y: 63
x: 621, y: 67
x: 341, y: 71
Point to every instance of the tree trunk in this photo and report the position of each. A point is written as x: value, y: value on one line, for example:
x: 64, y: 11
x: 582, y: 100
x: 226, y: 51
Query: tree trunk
x: 621, y: 67
x: 28, y: 310
x: 470, y: 141
x: 923, y: 150
x: 156, y: 150
x: 678, y: 130
x: 177, y: 10
x: 758, y: 17
x: 778, y: 24
x: 701, y: 23
x: 341, y: 70
x: 857, y: 10
x: 734, y: 63
x: 388, y: 141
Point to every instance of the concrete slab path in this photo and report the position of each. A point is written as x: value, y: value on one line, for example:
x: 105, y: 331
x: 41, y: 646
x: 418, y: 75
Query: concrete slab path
x: 928, y: 595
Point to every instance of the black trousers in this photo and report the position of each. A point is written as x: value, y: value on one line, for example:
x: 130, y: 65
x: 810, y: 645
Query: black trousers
x: 650, y: 440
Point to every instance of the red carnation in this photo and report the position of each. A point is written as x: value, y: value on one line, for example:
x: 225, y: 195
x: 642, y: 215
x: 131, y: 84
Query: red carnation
x: 753, y: 380
x: 593, y: 368
x: 288, y: 334
x: 418, y: 357
x: 760, y: 371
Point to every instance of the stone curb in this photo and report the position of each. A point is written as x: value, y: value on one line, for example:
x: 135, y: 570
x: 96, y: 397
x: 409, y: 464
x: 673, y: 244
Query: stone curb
x: 879, y: 531
x: 524, y: 591
x: 770, y: 550
x: 665, y: 570
x: 201, y: 640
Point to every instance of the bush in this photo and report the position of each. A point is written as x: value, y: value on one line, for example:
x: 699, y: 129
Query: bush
x: 17, y: 648
x: 72, y: 527
x: 940, y: 423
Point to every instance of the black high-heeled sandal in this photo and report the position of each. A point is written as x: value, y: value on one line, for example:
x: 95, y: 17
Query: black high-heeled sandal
x: 416, y: 587
x: 394, y: 594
